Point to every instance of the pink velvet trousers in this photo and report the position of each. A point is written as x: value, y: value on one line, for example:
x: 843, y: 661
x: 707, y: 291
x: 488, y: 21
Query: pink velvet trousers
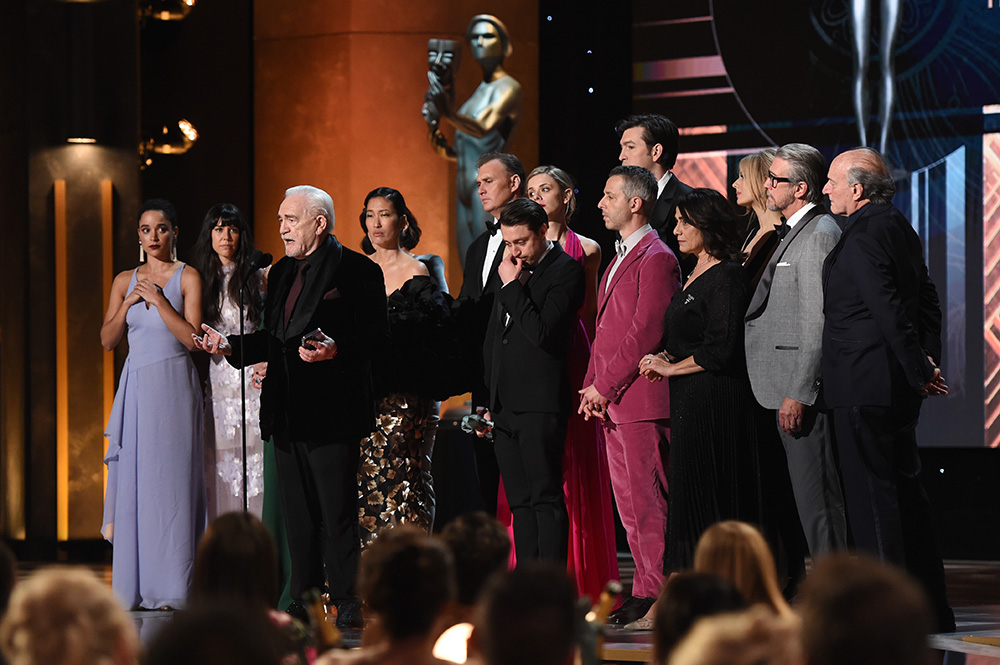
x: 638, y: 457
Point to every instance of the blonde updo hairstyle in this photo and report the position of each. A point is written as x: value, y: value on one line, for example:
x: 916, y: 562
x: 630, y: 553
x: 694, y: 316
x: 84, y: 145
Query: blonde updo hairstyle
x: 66, y: 616
x: 563, y: 180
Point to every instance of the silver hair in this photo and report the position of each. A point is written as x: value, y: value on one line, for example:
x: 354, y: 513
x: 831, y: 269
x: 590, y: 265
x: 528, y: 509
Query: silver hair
x: 806, y: 164
x: 318, y: 202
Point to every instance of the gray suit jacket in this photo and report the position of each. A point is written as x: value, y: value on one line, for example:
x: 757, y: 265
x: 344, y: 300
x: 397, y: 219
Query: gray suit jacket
x: 784, y: 322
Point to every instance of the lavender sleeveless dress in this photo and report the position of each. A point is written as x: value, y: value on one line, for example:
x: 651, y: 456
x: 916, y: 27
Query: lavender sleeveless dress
x: 154, y: 506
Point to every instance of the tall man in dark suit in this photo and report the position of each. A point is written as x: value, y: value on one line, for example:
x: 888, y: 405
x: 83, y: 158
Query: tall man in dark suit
x: 324, y: 315
x: 499, y: 180
x: 784, y: 343
x: 881, y: 346
x: 651, y: 141
x: 525, y: 355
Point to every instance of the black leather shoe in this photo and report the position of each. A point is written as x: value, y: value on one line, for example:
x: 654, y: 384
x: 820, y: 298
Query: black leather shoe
x: 632, y: 609
x: 617, y: 612
x: 298, y: 611
x: 349, y: 614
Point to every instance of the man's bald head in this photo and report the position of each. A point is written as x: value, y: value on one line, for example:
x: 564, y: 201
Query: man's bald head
x: 858, y: 177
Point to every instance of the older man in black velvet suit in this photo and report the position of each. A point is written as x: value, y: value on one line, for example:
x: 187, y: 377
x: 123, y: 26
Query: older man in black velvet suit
x: 525, y: 355
x: 881, y: 346
x: 324, y: 316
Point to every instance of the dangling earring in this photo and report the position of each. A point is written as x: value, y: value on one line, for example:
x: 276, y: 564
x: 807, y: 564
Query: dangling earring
x: 173, y: 251
x: 142, y: 254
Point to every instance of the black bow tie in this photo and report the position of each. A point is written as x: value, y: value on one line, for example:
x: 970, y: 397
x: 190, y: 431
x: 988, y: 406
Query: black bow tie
x: 782, y: 229
x: 493, y: 225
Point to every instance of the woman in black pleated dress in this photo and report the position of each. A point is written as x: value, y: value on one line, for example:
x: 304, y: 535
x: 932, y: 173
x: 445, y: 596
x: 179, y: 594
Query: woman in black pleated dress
x: 714, y: 458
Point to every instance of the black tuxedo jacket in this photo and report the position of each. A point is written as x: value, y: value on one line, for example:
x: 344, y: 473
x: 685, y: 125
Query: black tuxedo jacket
x: 662, y: 219
x: 882, y: 315
x: 329, y: 400
x: 525, y: 357
x: 479, y: 299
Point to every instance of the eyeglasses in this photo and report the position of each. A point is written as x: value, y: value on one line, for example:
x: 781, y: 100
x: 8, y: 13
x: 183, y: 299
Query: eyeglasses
x: 776, y: 179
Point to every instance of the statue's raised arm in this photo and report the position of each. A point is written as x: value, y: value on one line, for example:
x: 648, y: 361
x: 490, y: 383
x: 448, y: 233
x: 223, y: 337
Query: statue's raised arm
x: 484, y: 123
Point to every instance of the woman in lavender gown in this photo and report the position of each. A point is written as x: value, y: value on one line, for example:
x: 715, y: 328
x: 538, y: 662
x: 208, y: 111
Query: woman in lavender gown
x: 154, y: 507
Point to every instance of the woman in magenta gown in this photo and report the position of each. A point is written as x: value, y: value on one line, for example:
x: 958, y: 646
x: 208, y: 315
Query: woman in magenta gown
x: 592, y: 559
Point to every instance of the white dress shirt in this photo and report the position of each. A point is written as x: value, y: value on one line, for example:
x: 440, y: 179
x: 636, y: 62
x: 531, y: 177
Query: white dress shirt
x: 629, y: 244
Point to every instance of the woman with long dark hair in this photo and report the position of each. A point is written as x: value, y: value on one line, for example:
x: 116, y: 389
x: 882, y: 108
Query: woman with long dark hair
x: 222, y: 256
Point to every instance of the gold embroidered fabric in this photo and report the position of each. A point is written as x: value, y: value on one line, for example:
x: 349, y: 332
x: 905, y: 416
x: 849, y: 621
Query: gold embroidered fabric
x: 394, y: 479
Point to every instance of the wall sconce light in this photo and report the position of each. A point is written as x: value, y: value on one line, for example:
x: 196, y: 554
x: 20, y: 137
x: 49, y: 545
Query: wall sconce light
x: 170, y: 141
x: 165, y: 10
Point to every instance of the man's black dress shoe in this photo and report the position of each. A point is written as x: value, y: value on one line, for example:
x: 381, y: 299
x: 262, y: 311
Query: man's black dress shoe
x: 349, y: 614
x: 298, y: 611
x: 632, y: 608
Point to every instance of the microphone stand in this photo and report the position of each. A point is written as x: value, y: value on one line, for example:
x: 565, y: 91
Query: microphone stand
x: 256, y: 259
x: 243, y: 390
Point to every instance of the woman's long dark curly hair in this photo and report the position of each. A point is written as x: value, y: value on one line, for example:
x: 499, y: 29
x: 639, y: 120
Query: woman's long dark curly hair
x: 210, y: 266
x: 711, y: 213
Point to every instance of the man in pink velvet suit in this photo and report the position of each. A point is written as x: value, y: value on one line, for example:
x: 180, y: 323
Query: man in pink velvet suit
x: 631, y: 302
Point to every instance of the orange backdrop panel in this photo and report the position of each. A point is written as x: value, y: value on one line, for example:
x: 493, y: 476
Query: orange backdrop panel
x: 338, y: 90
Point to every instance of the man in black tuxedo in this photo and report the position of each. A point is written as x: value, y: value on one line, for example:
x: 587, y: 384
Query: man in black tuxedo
x: 324, y: 316
x: 500, y: 179
x: 525, y: 355
x: 881, y: 346
x: 650, y: 141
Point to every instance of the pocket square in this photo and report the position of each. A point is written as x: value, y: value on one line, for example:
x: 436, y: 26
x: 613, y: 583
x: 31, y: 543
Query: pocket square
x: 332, y: 294
x: 783, y: 264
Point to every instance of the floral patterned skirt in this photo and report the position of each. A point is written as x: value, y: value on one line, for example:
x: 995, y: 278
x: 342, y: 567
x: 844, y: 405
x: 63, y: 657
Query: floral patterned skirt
x: 394, y: 480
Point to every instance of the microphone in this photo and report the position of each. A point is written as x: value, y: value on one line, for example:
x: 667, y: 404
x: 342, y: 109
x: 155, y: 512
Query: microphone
x: 259, y: 260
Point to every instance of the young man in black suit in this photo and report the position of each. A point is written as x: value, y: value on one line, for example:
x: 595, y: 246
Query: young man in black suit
x: 525, y: 355
x: 499, y: 180
x: 881, y: 347
x: 324, y: 317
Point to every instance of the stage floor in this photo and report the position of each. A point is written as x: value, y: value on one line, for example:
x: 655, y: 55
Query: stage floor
x: 973, y: 589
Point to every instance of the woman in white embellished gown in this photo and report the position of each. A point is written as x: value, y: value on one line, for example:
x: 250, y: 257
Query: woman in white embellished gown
x: 223, y: 250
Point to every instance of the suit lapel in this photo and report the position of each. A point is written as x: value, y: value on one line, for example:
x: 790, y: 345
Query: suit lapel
x: 763, y: 291
x: 493, y: 275
x: 629, y: 259
x: 832, y: 256
x: 545, y: 263
x: 663, y: 203
x: 533, y: 279
x: 280, y: 283
x: 309, y: 299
